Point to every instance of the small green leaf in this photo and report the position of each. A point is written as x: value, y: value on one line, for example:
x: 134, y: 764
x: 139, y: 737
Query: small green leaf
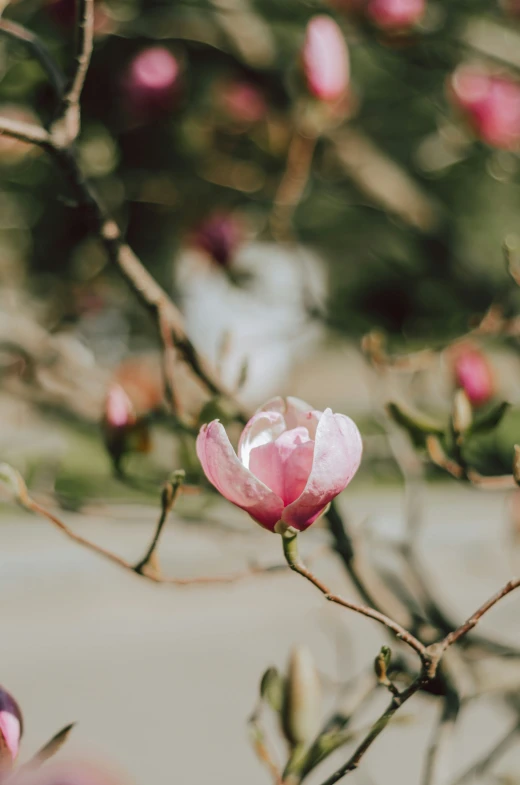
x: 418, y: 424
x: 491, y: 418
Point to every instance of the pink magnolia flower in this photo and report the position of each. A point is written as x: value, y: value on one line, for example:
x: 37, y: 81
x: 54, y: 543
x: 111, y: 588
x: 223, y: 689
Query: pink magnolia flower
x: 119, y: 410
x: 491, y: 104
x: 151, y: 83
x: 396, y: 14
x: 11, y: 728
x: 325, y: 59
x: 292, y: 461
x: 474, y: 374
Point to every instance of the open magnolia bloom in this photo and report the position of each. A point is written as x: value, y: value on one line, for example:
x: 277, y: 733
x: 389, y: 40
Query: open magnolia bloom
x: 292, y: 461
x: 11, y: 728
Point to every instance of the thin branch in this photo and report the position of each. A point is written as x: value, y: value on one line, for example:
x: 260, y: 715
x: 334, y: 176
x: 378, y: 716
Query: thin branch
x: 169, y: 496
x: 292, y: 185
x: 473, y: 620
x: 483, y: 764
x: 31, y: 41
x: 293, y: 560
x: 70, y: 120
x: 377, y: 728
x: 15, y: 481
x: 435, y: 769
x: 26, y: 132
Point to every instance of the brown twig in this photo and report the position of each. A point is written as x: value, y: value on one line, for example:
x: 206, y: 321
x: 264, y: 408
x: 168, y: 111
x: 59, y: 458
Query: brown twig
x: 67, y: 127
x: 293, y: 560
x: 15, y: 481
x: 292, y: 185
x: 473, y: 620
x: 169, y: 496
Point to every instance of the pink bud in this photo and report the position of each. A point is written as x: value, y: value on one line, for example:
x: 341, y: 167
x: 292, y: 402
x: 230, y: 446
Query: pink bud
x: 490, y: 103
x: 152, y: 81
x: 396, y: 14
x: 473, y: 374
x: 292, y: 461
x: 243, y: 102
x: 11, y: 728
x: 325, y: 59
x: 119, y: 411
x: 220, y: 236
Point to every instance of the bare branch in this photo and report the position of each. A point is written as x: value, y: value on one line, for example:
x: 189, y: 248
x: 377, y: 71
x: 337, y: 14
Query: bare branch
x: 31, y: 41
x: 69, y: 122
x: 169, y: 496
x: 293, y: 560
x: 15, y: 481
x: 26, y: 132
x: 473, y: 620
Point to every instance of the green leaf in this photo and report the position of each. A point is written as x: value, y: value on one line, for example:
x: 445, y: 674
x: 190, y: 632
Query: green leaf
x: 491, y: 418
x: 417, y: 424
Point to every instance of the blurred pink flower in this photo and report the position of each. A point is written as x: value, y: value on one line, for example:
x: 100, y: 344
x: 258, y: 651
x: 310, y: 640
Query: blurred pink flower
x: 243, y: 101
x: 292, y: 461
x: 396, y: 14
x: 11, y: 728
x: 219, y: 235
x: 152, y: 80
x: 118, y: 407
x: 473, y: 374
x: 325, y: 59
x: 490, y: 103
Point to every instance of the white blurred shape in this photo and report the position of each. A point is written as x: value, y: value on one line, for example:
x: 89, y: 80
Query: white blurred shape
x: 266, y: 322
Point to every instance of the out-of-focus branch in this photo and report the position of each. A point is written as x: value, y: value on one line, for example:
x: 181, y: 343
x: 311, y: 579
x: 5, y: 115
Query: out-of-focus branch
x: 59, y: 142
x: 31, y: 41
x: 292, y: 185
x: 483, y: 764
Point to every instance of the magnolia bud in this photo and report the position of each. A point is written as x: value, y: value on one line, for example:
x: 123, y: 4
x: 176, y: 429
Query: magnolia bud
x: 490, y: 104
x: 11, y: 729
x: 325, y: 59
x: 220, y: 236
x: 473, y: 374
x: 302, y: 700
x: 462, y: 413
x: 272, y: 689
x: 151, y: 83
x: 396, y: 15
x: 382, y: 663
x: 516, y: 464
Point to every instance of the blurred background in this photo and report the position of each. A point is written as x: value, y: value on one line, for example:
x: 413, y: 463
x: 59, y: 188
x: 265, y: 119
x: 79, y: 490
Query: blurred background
x: 289, y: 214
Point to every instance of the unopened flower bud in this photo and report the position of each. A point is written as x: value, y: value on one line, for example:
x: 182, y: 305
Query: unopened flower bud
x: 272, y: 689
x: 396, y: 15
x: 462, y: 413
x: 473, y: 373
x: 490, y: 104
x: 382, y: 663
x: 325, y: 59
x: 516, y: 464
x: 151, y: 83
x: 243, y: 101
x: 220, y: 236
x: 302, y: 704
x: 11, y: 729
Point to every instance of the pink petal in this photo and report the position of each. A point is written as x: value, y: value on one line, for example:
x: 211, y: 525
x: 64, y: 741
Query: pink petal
x: 284, y: 465
x: 295, y: 412
x: 337, y: 455
x: 234, y: 481
x: 325, y: 59
x: 11, y: 731
x: 263, y: 427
